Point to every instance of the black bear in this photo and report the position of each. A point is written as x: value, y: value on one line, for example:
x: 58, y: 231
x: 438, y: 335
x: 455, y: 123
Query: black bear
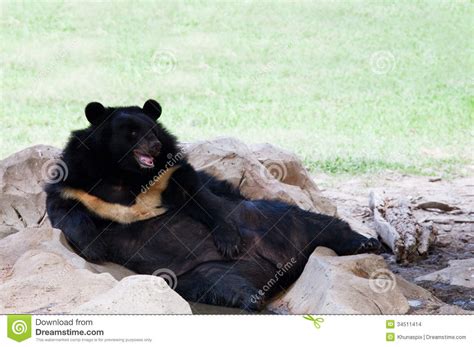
x: 132, y: 198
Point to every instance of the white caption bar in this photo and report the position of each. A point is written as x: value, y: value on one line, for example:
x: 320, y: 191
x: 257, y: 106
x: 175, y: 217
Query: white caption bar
x: 228, y: 331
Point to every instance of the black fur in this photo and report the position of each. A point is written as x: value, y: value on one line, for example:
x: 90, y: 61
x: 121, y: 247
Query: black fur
x: 224, y: 249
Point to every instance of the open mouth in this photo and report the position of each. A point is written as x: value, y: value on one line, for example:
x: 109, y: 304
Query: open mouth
x: 143, y: 159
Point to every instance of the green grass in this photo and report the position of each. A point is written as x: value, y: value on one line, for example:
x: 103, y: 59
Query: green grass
x: 309, y: 77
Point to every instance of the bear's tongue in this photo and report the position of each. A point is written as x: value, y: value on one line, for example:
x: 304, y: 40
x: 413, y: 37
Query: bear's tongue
x: 145, y: 160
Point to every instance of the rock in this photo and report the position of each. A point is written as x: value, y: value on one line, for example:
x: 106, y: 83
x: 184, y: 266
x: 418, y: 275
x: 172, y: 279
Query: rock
x: 458, y: 273
x: 50, y: 240
x: 139, y: 294
x: 416, y: 293
x: 44, y: 239
x: 22, y: 176
x: 6, y: 230
x: 287, y: 168
x: 359, y: 284
x: 117, y: 271
x: 44, y: 282
x: 324, y: 252
x: 420, y: 300
x: 41, y: 274
x: 260, y: 171
x: 415, y: 303
x: 451, y: 309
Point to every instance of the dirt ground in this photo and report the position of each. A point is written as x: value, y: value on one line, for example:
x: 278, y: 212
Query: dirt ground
x: 455, y: 229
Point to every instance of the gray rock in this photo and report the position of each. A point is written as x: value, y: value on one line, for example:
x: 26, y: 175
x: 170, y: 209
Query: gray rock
x: 260, y: 171
x: 45, y: 282
x: 139, y: 294
x: 22, y: 176
x: 40, y: 274
x: 359, y: 284
x: 458, y: 273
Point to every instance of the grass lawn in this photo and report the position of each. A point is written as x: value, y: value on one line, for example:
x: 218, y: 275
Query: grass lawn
x: 351, y: 87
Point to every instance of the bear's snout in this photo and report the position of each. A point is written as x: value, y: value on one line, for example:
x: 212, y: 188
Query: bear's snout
x: 154, y: 148
x: 150, y: 145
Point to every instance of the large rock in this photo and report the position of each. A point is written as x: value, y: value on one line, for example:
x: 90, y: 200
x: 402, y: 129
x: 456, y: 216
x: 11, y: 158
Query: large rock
x: 139, y: 294
x: 44, y: 282
x: 49, y: 240
x: 22, y: 176
x: 40, y: 274
x: 458, y: 273
x: 359, y: 284
x: 260, y: 171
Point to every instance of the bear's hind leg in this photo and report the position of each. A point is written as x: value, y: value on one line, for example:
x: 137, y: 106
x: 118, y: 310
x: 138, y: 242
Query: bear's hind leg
x: 336, y: 234
x: 217, y: 284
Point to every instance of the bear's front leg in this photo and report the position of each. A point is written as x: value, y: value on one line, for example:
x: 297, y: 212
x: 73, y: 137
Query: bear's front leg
x: 186, y: 191
x: 217, y: 214
x: 76, y: 224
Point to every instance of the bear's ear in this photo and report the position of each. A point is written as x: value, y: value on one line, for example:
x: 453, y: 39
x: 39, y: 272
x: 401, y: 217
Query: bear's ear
x: 152, y: 109
x: 95, y: 112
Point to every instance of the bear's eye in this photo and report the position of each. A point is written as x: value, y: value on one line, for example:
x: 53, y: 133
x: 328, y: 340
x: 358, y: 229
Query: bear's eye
x: 134, y: 133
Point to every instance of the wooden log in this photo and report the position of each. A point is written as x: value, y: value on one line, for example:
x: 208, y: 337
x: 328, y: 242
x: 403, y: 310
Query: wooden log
x: 399, y: 230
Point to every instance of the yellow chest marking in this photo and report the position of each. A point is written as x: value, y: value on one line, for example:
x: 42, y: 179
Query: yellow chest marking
x: 147, y: 204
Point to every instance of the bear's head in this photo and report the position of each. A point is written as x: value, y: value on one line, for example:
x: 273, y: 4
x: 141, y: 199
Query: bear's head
x: 130, y: 136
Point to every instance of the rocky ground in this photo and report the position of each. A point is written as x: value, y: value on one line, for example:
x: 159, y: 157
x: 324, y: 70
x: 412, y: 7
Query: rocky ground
x: 448, y: 269
x: 39, y: 273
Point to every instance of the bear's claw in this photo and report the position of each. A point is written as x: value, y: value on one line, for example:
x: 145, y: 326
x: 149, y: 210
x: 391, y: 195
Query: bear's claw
x: 228, y: 242
x: 370, y: 245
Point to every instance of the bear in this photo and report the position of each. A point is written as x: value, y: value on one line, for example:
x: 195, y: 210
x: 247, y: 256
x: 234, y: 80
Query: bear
x: 133, y: 147
x: 132, y: 198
